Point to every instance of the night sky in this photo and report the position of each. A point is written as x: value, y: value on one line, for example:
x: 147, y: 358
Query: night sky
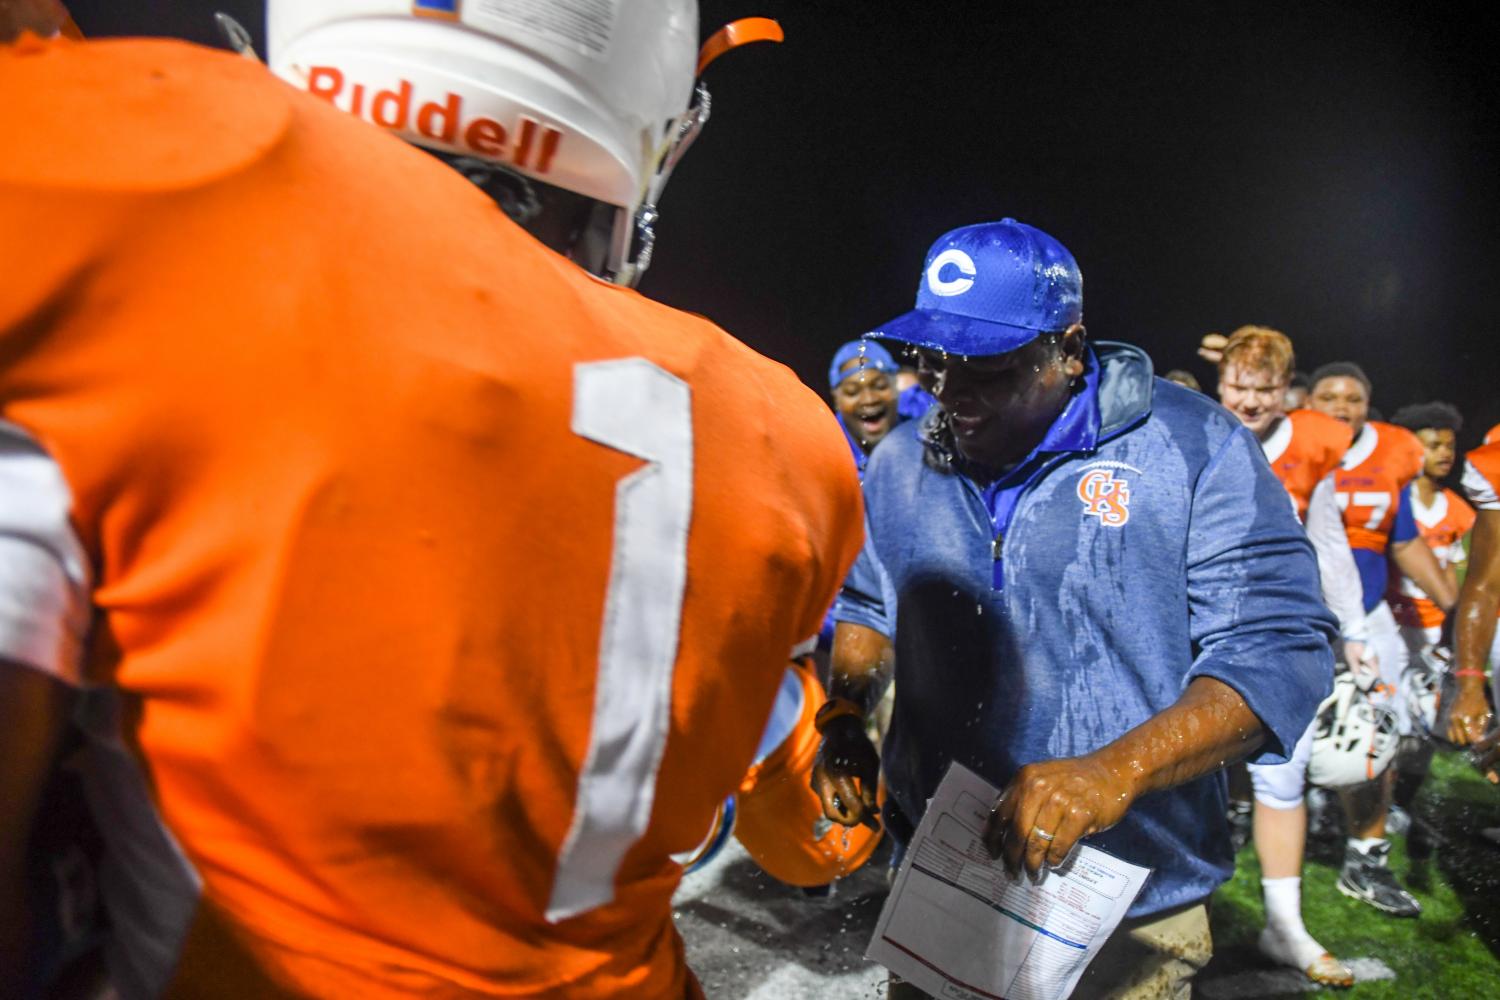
x: 1330, y: 169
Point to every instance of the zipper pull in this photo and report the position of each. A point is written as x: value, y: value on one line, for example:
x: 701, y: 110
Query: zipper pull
x: 998, y: 575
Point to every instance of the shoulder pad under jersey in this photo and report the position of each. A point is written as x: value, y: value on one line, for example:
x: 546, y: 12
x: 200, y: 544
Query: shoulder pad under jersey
x: 142, y: 115
x: 1322, y: 435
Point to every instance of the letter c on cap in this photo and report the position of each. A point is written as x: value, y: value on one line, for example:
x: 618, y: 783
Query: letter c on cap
x: 955, y: 286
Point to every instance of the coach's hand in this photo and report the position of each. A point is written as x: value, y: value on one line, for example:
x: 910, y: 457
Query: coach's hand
x: 846, y: 773
x: 1048, y: 807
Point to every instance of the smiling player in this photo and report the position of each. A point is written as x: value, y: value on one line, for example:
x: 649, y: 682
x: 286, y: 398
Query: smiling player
x: 1371, y: 488
x: 1304, y: 448
x: 862, y: 388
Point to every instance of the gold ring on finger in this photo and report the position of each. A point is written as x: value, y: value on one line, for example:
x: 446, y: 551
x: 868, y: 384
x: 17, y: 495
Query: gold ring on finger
x: 1041, y: 834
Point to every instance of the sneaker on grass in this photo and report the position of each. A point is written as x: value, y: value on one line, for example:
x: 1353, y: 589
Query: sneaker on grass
x: 1366, y: 878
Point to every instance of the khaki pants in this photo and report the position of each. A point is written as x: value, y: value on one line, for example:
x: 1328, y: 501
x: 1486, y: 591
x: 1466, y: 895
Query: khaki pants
x: 1153, y: 958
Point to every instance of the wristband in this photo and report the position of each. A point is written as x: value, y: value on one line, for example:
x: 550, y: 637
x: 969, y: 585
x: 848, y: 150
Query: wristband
x: 836, y: 708
x: 1469, y: 673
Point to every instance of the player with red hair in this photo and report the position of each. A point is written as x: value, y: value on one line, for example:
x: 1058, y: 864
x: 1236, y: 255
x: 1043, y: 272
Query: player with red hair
x: 1304, y: 448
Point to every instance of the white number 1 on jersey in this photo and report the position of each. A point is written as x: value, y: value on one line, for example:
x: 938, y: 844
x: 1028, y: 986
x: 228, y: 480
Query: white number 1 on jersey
x: 638, y: 408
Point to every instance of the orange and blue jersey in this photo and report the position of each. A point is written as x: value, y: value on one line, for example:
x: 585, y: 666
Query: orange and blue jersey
x: 1303, y: 449
x: 1442, y: 525
x: 1370, y: 485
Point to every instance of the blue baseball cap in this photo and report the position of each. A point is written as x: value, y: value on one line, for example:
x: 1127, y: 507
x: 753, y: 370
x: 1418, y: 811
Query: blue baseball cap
x: 870, y: 355
x: 991, y: 288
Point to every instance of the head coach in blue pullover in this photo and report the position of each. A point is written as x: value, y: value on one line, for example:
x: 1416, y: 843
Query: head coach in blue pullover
x: 1101, y: 597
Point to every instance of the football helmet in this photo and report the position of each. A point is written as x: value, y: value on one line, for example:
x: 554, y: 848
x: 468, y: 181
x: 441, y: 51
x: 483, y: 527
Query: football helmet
x: 1429, y: 688
x: 719, y: 832
x: 595, y: 99
x: 1353, y: 740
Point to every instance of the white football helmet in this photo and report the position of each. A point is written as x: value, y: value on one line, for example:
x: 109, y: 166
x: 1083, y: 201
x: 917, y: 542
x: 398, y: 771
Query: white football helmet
x: 1429, y: 688
x: 596, y: 97
x: 1353, y: 740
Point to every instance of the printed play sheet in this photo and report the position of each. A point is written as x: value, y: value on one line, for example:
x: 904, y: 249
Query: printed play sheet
x: 957, y: 925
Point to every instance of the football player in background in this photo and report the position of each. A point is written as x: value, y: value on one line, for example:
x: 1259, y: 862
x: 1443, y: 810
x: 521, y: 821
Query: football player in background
x: 1304, y: 448
x: 438, y: 594
x: 864, y: 385
x: 1443, y: 520
x: 1370, y: 485
x: 862, y: 389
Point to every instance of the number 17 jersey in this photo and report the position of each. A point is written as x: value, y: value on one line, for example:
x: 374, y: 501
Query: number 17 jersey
x: 1370, y: 484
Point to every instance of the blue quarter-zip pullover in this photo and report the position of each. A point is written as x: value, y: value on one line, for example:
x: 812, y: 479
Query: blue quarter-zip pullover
x: 1144, y: 543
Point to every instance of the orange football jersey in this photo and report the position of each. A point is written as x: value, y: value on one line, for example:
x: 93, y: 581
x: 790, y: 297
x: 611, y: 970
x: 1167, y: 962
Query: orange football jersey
x: 447, y: 589
x: 1492, y: 435
x: 1303, y: 449
x: 1442, y: 526
x: 1381, y: 461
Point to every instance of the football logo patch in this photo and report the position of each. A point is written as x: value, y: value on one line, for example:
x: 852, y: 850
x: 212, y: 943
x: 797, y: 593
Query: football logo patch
x: 1105, y: 497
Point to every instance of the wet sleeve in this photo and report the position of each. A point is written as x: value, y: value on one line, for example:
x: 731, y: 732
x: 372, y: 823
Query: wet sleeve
x: 864, y: 597
x: 1404, y: 528
x: 44, y: 576
x: 1481, y: 492
x: 1255, y: 616
x: 1342, y: 590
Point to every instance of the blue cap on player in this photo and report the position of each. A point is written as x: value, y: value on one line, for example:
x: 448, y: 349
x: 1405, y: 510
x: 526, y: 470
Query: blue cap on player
x: 991, y: 288
x: 869, y: 354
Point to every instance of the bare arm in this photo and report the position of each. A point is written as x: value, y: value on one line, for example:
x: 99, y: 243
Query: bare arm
x: 1474, y: 631
x: 862, y: 664
x: 1209, y: 727
x: 846, y: 773
x: 1211, y: 347
x: 1416, y: 560
x: 33, y: 710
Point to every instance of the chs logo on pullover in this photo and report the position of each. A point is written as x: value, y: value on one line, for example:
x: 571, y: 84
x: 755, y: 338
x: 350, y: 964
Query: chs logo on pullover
x: 1105, y: 496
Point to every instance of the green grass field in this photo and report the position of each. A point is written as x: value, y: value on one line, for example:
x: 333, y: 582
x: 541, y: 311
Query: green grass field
x: 1451, y: 951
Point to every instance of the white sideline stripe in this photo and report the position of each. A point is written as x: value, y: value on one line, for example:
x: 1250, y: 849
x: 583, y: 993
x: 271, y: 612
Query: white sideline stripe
x: 1279, y: 982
